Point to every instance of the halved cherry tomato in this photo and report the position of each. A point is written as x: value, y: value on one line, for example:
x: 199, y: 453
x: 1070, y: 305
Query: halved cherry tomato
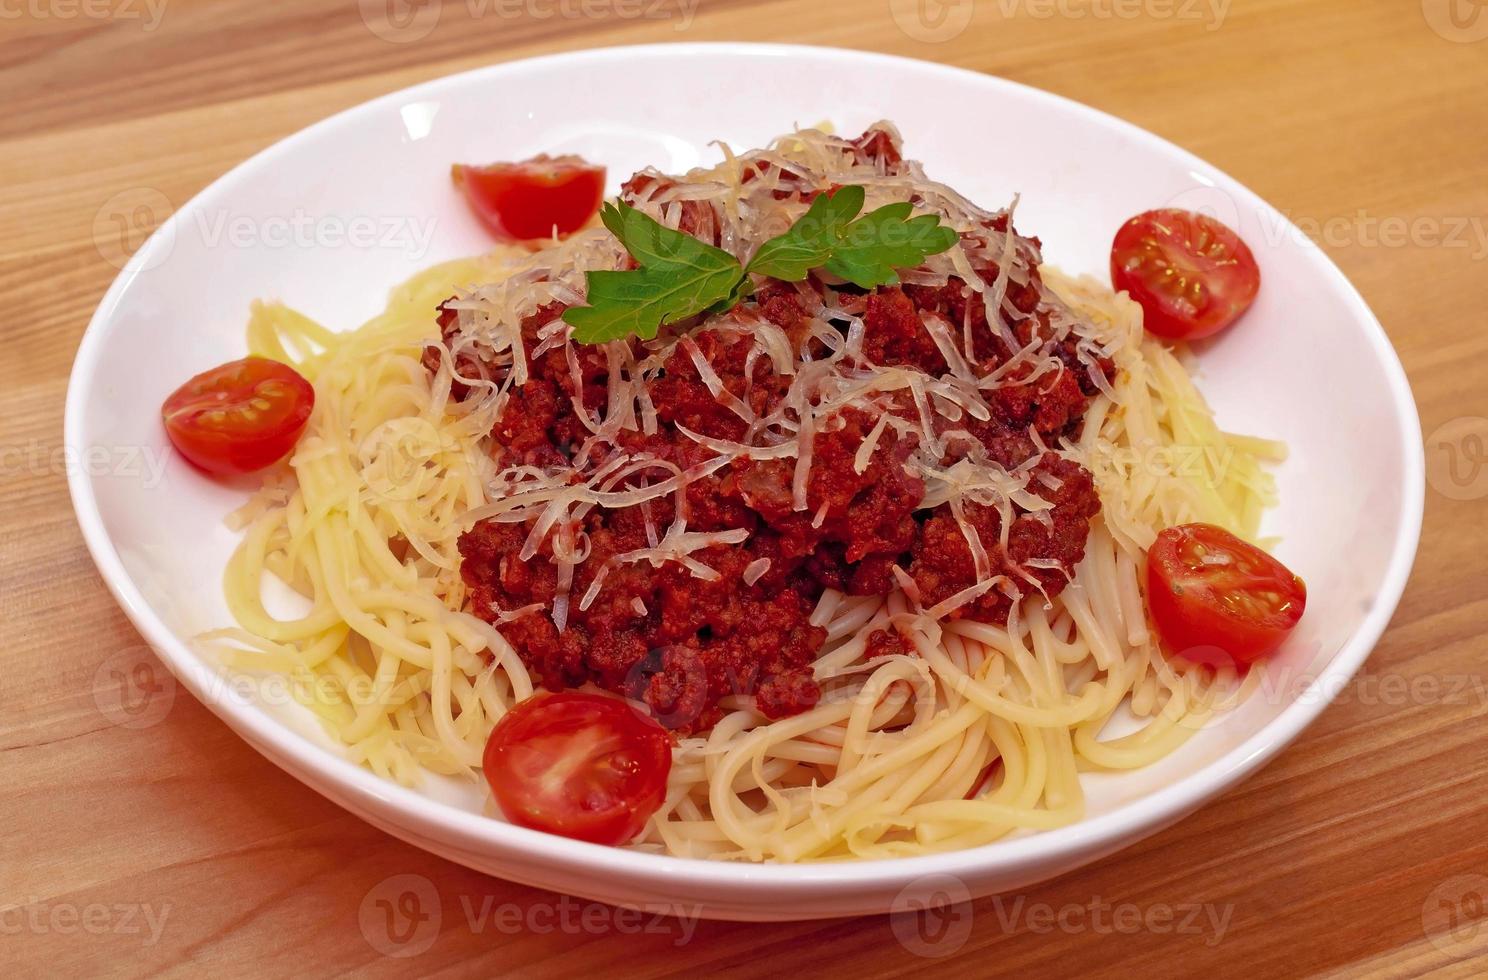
x: 532, y: 199
x: 1209, y: 591
x: 1191, y: 274
x: 239, y: 417
x: 580, y: 765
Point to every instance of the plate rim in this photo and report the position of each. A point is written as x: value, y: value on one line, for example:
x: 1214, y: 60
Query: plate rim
x: 1096, y: 835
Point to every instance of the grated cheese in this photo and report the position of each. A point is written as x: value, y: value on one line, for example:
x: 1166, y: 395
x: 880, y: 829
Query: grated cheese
x: 743, y: 202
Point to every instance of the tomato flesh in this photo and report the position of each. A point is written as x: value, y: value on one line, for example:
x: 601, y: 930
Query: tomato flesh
x: 1192, y: 275
x: 240, y: 417
x: 1210, y: 592
x: 534, y: 198
x: 581, y: 765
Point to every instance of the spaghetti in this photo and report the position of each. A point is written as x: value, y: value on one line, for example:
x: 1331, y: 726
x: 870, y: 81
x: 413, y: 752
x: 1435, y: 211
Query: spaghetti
x: 965, y: 730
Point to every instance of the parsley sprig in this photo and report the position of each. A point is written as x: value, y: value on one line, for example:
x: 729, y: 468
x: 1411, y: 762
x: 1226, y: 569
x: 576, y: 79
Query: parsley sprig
x: 679, y: 276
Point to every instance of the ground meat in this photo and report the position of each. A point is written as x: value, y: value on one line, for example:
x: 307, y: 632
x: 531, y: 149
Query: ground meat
x: 887, y: 643
x: 965, y: 307
x: 683, y: 644
x: 787, y: 694
x: 1048, y: 403
x: 540, y: 425
x: 878, y: 146
x: 943, y: 564
x: 893, y: 333
x: 466, y: 365
x: 780, y: 303
x: 696, y: 218
x: 686, y: 645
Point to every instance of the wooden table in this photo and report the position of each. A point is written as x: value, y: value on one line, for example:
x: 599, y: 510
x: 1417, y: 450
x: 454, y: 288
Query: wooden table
x: 173, y: 847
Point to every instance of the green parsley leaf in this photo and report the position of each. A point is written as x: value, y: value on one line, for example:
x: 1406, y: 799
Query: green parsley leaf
x: 882, y: 241
x: 742, y: 290
x: 679, y: 277
x: 812, y: 240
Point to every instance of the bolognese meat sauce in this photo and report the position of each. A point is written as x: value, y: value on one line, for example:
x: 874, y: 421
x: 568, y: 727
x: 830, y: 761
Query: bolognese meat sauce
x: 592, y: 604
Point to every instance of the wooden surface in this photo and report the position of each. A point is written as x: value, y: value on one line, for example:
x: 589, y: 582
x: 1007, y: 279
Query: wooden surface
x: 1365, y: 120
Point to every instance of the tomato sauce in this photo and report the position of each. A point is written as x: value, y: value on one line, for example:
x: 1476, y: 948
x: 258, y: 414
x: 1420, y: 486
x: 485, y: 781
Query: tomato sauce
x: 683, y: 644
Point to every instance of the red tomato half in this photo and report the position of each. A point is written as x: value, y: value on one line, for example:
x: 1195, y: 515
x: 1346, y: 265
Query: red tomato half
x: 1191, y: 275
x: 1208, y: 589
x: 239, y: 417
x: 519, y: 201
x: 580, y: 765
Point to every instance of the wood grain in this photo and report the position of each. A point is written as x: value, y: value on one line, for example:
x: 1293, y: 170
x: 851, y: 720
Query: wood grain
x: 1352, y: 116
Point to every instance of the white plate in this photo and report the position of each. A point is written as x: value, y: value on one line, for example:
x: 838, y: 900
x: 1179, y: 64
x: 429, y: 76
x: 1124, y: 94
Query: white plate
x: 332, y: 217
